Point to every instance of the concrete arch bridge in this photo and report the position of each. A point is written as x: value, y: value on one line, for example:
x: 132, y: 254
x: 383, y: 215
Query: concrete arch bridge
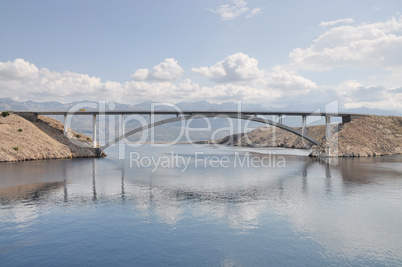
x: 187, y: 115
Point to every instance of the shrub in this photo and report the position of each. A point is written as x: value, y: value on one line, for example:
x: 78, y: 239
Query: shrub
x: 5, y: 114
x: 78, y: 136
x: 15, y: 148
x: 20, y: 130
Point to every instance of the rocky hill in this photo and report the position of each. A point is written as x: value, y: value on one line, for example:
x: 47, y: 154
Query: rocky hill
x: 363, y: 137
x: 273, y: 137
x: 23, y: 140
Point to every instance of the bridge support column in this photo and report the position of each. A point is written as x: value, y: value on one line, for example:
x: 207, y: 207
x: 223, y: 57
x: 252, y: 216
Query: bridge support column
x: 94, y: 131
x: 65, y: 125
x: 327, y: 127
x: 280, y: 119
x: 304, y: 125
x: 327, y: 134
x: 122, y: 130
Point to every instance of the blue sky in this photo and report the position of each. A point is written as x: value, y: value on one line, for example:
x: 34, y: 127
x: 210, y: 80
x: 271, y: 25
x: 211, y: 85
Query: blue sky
x: 275, y: 53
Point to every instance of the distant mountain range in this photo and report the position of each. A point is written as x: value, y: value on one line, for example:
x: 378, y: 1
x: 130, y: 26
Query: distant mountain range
x: 169, y: 132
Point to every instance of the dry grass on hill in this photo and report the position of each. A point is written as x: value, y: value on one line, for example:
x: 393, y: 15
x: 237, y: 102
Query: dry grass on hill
x: 363, y: 137
x: 23, y: 140
x: 274, y: 137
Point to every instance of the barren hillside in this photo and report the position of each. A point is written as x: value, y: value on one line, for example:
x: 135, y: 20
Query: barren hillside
x: 23, y: 140
x: 273, y: 137
x: 363, y: 137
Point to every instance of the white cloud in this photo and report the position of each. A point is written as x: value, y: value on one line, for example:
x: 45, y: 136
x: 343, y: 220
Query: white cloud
x: 189, y: 91
x: 238, y: 78
x: 22, y: 79
x: 168, y: 70
x: 235, y: 9
x: 254, y: 12
x: 354, y: 95
x: 334, y: 22
x: 366, y: 45
x: 140, y: 75
x: 290, y: 82
x: 232, y: 10
x: 244, y: 82
x: 234, y: 68
x: 18, y: 69
x: 241, y: 70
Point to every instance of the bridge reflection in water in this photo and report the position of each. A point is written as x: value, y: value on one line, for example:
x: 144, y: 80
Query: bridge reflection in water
x: 352, y: 209
x: 239, y: 200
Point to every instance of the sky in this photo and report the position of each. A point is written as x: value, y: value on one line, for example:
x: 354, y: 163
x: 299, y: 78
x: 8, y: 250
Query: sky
x: 281, y: 54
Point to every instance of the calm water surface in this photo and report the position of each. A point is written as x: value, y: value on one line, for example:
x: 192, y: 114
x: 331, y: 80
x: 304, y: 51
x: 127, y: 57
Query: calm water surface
x: 275, y: 209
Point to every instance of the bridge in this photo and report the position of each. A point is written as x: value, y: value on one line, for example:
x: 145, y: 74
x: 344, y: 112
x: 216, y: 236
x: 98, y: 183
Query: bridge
x: 187, y: 115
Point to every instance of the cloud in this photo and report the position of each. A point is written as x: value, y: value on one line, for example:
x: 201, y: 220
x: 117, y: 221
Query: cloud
x: 140, y: 75
x: 237, y: 78
x: 354, y: 95
x: 370, y: 93
x: 242, y: 70
x: 366, y: 45
x: 288, y: 81
x: 397, y: 90
x: 189, y: 91
x: 254, y: 12
x: 18, y: 69
x: 20, y: 78
x: 168, y: 70
x: 244, y: 82
x: 334, y: 22
x: 235, y: 9
x: 234, y: 68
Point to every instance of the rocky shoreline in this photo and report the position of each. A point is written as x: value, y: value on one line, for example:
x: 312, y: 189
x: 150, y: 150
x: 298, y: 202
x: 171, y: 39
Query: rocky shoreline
x: 362, y: 137
x: 22, y: 140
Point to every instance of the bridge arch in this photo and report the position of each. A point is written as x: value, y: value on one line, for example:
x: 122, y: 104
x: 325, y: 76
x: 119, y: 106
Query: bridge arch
x: 199, y: 116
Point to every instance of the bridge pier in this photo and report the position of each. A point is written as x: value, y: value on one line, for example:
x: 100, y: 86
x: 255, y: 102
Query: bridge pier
x: 65, y: 125
x: 304, y: 125
x: 94, y: 130
x: 280, y: 119
x: 327, y: 134
x: 327, y: 127
x: 122, y: 130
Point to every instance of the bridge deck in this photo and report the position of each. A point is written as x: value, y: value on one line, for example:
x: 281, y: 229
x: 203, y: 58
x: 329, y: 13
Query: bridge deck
x: 248, y: 113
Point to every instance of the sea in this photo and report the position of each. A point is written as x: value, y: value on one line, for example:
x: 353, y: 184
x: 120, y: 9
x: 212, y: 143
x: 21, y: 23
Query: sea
x: 201, y: 205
